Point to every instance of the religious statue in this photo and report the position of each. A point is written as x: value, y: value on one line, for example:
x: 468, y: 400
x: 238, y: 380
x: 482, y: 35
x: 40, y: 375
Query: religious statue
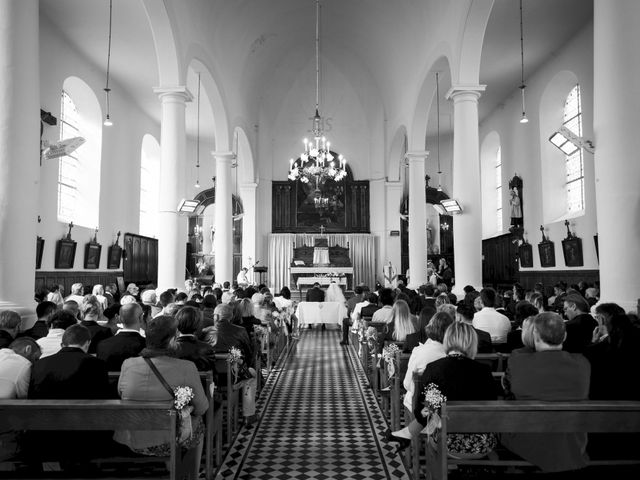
x: 429, y: 236
x: 516, y: 207
x: 95, y: 237
x: 212, y: 235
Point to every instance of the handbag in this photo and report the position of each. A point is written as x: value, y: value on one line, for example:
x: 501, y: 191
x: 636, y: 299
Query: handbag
x: 184, y: 426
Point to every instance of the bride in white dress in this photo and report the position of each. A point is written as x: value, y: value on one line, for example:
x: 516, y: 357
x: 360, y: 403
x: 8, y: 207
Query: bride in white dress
x: 334, y: 294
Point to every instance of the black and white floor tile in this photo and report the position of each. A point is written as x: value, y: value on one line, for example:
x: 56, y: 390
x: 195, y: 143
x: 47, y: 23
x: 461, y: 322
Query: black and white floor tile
x: 318, y: 420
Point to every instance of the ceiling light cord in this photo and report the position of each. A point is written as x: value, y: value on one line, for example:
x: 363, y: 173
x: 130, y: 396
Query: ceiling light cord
x: 106, y: 89
x: 438, y: 130
x: 198, y: 136
x: 317, y: 56
x: 522, y: 87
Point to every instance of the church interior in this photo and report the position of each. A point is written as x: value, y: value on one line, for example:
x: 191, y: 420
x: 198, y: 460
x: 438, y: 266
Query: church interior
x: 363, y: 143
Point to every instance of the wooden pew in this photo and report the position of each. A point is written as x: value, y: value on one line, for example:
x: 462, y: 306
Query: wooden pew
x: 397, y: 389
x: 503, y: 416
x: 230, y: 396
x: 212, y: 421
x: 90, y: 415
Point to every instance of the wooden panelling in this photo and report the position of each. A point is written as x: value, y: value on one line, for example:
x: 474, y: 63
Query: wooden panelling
x: 500, y: 261
x: 140, y: 263
x: 528, y: 278
x: 67, y: 278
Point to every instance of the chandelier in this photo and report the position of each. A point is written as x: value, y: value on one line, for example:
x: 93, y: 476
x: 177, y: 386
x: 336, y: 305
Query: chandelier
x: 317, y: 162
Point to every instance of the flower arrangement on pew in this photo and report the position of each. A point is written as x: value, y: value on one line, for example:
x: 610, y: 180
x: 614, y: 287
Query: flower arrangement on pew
x: 239, y: 368
x: 182, y: 398
x: 371, y: 336
x: 433, y: 400
x: 389, y: 356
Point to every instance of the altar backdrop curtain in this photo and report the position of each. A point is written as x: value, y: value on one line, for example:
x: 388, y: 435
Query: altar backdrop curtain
x: 362, y: 248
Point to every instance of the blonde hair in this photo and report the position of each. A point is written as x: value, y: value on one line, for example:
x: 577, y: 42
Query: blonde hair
x: 402, y: 322
x: 527, y: 332
x: 442, y: 299
x: 461, y: 337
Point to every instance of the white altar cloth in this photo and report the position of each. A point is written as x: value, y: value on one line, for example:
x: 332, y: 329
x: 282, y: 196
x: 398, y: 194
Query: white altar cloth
x: 321, y: 312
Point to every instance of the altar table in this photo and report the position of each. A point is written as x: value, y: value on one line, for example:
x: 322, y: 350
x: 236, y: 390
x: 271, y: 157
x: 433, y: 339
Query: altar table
x: 321, y: 312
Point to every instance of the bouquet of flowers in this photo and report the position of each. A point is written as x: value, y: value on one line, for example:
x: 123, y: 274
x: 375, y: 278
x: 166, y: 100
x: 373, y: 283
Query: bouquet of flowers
x: 389, y: 356
x: 202, y: 266
x: 433, y: 400
x: 182, y: 397
x: 239, y: 368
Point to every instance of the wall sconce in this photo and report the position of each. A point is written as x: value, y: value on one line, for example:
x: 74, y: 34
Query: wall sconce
x: 187, y: 206
x: 451, y: 206
x: 569, y: 142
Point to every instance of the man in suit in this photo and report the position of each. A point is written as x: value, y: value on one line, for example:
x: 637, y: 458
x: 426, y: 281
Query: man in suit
x: 127, y: 342
x: 549, y: 374
x: 315, y: 294
x: 91, y: 312
x: 40, y: 329
x: 69, y: 374
x: 580, y: 324
x: 222, y: 336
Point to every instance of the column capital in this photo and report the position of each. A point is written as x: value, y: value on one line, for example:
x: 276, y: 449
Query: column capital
x: 248, y: 185
x: 223, y: 156
x: 179, y: 91
x: 416, y: 155
x: 474, y: 90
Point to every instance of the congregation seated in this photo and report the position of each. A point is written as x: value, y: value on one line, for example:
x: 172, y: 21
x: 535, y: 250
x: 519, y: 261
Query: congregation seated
x: 580, y: 324
x: 187, y: 345
x: 9, y: 326
x: 491, y: 321
x: 59, y: 322
x: 465, y: 313
x: 138, y: 381
x: 523, y: 311
x: 224, y: 335
x: 127, y: 342
x: 91, y: 313
x: 420, y: 335
x: 366, y: 308
x: 426, y: 352
x: 401, y: 323
x: 245, y: 313
x: 77, y: 293
x: 44, y: 312
x: 15, y: 367
x: 548, y: 374
x: 149, y: 297
x: 383, y: 314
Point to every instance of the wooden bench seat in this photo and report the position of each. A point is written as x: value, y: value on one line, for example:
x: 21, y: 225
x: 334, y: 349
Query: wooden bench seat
x: 89, y: 415
x: 535, y: 417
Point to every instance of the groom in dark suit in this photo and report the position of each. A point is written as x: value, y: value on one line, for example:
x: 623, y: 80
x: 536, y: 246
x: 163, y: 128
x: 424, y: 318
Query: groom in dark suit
x: 315, y: 294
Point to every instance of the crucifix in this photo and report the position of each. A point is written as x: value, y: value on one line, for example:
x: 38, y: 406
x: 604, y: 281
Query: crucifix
x: 322, y: 229
x: 117, y: 238
x: 95, y: 237
x: 566, y: 224
x: 69, y: 234
x: 544, y: 239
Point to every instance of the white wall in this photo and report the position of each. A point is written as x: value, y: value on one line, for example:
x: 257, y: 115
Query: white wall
x: 121, y: 144
x: 525, y: 149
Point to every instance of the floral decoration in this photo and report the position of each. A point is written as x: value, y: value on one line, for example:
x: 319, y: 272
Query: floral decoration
x: 389, y: 356
x: 433, y: 400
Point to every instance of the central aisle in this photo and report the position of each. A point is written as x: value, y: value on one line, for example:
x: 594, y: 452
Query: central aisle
x: 318, y: 420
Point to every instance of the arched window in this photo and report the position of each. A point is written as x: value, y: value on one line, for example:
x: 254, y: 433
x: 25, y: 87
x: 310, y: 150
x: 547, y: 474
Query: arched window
x: 572, y: 119
x: 149, y: 185
x: 498, y: 192
x: 79, y: 172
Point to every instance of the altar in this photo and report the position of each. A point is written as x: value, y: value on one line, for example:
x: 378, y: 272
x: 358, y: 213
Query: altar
x: 322, y: 264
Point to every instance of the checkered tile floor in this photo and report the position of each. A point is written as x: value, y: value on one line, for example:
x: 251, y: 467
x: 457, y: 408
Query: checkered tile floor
x: 317, y: 420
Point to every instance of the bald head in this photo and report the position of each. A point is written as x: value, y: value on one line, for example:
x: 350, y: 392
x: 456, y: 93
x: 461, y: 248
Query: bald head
x: 223, y: 312
x: 131, y: 315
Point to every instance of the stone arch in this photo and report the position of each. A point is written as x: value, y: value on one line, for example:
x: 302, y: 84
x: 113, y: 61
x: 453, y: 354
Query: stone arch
x: 244, y: 155
x: 170, y: 72
x: 488, y: 148
x: 474, y: 24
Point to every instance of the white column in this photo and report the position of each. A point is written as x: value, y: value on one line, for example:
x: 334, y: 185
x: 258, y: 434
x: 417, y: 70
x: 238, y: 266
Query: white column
x: 417, y: 219
x: 617, y: 170
x: 467, y: 227
x: 248, y: 197
x: 393, y: 252
x: 19, y: 152
x: 223, y: 241
x: 172, y: 228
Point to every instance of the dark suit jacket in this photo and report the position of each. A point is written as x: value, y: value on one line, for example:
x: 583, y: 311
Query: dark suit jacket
x: 117, y: 349
x: 413, y: 339
x: 549, y: 376
x: 315, y: 295
x: 579, y: 333
x: 224, y: 335
x: 484, y: 341
x: 70, y: 374
x: 38, y: 330
x: 459, y: 378
x: 369, y: 310
x: 98, y: 333
x: 200, y: 353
